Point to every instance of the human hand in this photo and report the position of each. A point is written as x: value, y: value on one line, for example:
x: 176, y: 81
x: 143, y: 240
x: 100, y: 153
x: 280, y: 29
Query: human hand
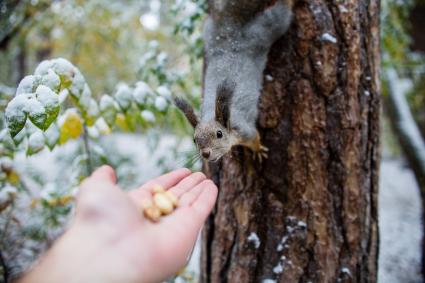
x: 110, y: 241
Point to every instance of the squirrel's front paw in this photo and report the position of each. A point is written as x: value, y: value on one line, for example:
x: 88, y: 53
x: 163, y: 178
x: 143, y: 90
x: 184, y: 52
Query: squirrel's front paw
x: 261, y: 153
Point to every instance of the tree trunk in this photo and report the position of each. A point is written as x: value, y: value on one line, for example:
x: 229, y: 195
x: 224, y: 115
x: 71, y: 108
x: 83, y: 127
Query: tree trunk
x: 313, y: 203
x: 408, y: 135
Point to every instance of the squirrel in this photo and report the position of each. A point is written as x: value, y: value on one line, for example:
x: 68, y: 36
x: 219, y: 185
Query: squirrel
x: 236, y: 52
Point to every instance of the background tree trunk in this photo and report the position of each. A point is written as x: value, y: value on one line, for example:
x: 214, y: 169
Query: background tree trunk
x: 313, y: 203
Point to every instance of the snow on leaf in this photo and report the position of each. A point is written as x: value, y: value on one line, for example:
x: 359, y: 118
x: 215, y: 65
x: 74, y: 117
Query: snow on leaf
x: 161, y: 103
x: 51, y: 80
x: 43, y: 67
x: 123, y: 96
x: 84, y: 99
x: 268, y: 281
x: 6, y: 140
x: 93, y: 132
x: 141, y: 92
x: 102, y: 126
x: 148, y: 116
x: 164, y: 91
x: 15, y: 114
x: 50, y: 102
x: 35, y: 143
x: 108, y: 110
x: 92, y: 112
x: 28, y: 84
x: 63, y: 94
x: 78, y: 84
x: 36, y: 111
x: 52, y: 135
x: 7, y: 193
x: 20, y: 136
x: 63, y: 67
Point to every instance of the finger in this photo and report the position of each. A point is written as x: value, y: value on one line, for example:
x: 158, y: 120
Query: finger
x: 101, y: 179
x: 105, y: 172
x: 187, y: 183
x: 203, y: 205
x: 97, y: 192
x: 166, y: 181
x: 192, y: 194
x: 137, y: 196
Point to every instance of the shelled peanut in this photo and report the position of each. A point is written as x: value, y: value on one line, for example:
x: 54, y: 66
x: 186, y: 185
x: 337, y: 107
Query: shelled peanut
x: 162, y: 203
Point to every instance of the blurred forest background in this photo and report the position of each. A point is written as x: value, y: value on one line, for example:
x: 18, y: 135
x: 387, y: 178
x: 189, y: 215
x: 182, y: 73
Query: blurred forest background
x: 133, y: 55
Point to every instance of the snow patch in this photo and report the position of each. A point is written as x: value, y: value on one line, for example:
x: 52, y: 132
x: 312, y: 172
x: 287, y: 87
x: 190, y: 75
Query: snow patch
x: 148, y: 116
x: 328, y: 37
x: 160, y: 103
x: 164, y: 91
x: 253, y: 237
x: 278, y: 268
x: 302, y: 224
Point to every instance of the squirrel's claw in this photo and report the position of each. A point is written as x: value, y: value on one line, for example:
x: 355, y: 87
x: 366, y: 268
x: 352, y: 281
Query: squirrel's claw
x: 261, y: 154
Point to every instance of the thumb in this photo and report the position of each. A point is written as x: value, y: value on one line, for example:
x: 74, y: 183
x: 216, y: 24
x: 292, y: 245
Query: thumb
x: 97, y: 190
x: 104, y: 173
x: 102, y: 178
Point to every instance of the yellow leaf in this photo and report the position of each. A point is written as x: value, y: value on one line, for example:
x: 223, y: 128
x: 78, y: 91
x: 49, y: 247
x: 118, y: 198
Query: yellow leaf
x: 121, y: 122
x: 71, y: 127
x: 64, y: 200
x: 34, y: 203
x: 13, y: 177
x: 53, y: 202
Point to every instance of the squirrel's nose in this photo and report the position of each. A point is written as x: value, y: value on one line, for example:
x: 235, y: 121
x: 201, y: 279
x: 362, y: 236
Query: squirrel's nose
x: 206, y: 153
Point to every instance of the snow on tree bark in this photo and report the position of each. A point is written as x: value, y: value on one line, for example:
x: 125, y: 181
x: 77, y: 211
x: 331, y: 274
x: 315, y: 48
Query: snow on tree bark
x: 313, y: 203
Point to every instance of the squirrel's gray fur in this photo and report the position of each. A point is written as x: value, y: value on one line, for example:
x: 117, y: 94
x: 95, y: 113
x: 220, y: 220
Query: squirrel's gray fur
x: 239, y: 53
x: 236, y: 54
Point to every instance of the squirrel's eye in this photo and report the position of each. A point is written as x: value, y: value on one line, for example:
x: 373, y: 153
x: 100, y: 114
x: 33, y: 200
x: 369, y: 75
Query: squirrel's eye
x: 194, y: 140
x: 219, y: 134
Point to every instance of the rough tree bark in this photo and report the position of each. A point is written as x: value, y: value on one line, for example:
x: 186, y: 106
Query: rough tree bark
x: 313, y: 203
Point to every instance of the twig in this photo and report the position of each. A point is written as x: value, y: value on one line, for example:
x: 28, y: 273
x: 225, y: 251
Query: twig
x: 87, y: 150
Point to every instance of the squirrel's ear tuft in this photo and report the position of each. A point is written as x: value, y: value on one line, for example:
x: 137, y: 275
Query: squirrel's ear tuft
x: 225, y: 92
x: 187, y: 110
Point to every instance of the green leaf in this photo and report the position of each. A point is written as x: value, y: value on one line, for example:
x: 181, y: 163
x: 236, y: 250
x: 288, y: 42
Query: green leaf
x: 20, y: 136
x: 15, y: 114
x: 124, y: 96
x: 52, y: 135
x: 6, y: 140
x: 35, y: 143
x: 50, y: 102
x: 36, y: 113
x: 108, y: 109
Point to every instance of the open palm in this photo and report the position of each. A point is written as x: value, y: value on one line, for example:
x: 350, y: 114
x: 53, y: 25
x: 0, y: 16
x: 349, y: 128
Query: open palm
x: 134, y: 247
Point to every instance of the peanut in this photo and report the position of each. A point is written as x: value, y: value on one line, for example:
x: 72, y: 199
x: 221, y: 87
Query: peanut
x: 152, y: 213
x: 171, y: 197
x: 146, y: 203
x: 163, y: 203
x: 157, y: 189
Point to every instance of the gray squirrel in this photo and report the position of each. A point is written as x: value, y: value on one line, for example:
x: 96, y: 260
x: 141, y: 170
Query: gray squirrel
x: 236, y: 55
